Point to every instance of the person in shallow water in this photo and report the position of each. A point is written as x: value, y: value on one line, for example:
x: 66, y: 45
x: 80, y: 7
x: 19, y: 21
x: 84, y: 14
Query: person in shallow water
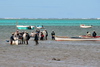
x: 36, y: 37
x: 41, y: 36
x: 53, y: 35
x: 12, y: 39
x: 94, y: 34
x: 26, y: 38
x: 46, y: 34
x: 88, y: 34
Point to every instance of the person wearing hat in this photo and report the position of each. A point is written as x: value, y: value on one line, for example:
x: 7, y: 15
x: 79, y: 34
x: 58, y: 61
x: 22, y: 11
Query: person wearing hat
x: 94, y: 34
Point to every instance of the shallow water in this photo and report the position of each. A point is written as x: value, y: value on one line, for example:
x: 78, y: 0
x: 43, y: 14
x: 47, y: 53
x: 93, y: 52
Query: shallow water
x: 70, y: 31
x: 70, y: 53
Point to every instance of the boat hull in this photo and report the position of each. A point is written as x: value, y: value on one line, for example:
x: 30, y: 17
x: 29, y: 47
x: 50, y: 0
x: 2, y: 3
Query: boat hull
x: 76, y: 39
x: 84, y: 26
x: 20, y: 27
x: 40, y: 27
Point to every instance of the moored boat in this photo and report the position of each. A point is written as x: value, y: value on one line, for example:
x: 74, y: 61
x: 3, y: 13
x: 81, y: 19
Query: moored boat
x: 85, y: 26
x: 40, y: 27
x: 25, y: 27
x: 59, y: 38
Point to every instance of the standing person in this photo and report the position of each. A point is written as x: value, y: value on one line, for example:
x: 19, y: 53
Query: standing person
x: 11, y: 39
x: 53, y: 35
x: 36, y: 38
x: 41, y: 36
x: 38, y: 31
x: 16, y: 33
x: 46, y: 34
x: 32, y: 34
x: 88, y: 34
x: 94, y: 34
x: 26, y: 38
x: 21, y: 38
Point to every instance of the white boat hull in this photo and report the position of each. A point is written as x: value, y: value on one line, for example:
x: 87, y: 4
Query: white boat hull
x: 84, y: 26
x: 76, y: 39
x: 25, y: 27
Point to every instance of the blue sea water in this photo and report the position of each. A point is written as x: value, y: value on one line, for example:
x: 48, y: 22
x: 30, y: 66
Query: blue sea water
x: 50, y: 22
x: 62, y: 27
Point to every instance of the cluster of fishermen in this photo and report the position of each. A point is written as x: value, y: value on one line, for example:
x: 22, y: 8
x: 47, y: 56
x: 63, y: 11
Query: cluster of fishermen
x: 93, y: 34
x: 23, y: 37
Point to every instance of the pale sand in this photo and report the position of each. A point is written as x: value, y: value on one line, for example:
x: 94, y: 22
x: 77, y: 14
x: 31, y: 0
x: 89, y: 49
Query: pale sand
x: 49, y: 54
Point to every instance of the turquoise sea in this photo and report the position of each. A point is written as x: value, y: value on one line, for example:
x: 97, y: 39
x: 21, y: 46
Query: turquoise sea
x: 50, y: 22
x: 62, y: 27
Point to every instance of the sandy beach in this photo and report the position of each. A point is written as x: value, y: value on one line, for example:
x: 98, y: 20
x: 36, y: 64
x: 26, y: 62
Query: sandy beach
x: 50, y: 54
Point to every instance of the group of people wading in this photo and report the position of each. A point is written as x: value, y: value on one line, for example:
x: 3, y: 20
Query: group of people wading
x: 23, y: 37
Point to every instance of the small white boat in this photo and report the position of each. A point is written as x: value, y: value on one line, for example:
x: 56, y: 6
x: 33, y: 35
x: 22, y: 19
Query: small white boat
x: 59, y: 38
x: 40, y: 27
x: 24, y: 27
x: 85, y: 26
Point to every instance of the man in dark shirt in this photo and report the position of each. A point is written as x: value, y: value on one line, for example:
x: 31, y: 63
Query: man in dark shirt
x: 94, y: 34
x: 36, y: 38
x: 53, y: 35
x: 12, y: 39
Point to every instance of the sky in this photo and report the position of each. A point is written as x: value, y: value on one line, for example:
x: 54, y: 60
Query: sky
x: 49, y: 8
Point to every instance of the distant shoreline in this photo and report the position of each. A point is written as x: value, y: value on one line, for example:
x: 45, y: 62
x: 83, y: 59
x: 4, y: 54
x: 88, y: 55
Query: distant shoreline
x: 55, y: 18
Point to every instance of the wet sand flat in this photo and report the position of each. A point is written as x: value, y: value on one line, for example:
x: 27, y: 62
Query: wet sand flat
x: 49, y: 54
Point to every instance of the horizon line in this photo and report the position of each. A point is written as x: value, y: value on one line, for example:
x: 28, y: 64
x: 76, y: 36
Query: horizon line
x: 49, y: 18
